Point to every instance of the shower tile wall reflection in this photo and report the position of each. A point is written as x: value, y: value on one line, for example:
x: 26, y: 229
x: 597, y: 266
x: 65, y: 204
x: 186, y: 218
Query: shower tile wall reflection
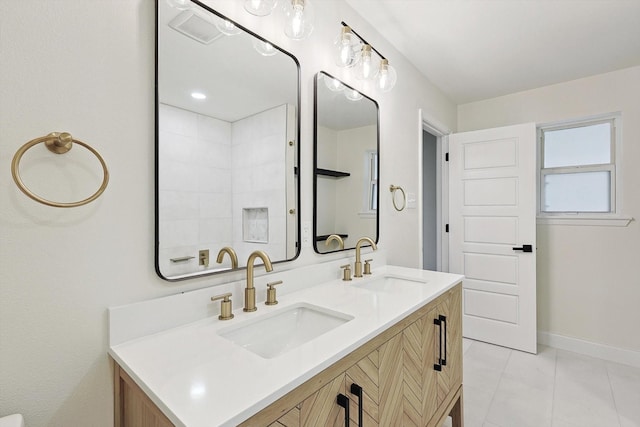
x: 239, y: 165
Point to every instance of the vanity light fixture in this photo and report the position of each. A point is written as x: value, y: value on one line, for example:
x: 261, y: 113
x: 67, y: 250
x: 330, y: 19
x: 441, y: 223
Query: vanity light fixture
x: 386, y: 77
x: 298, y: 18
x: 363, y: 63
x: 198, y: 95
x: 347, y: 48
x: 365, y: 69
x: 260, y: 7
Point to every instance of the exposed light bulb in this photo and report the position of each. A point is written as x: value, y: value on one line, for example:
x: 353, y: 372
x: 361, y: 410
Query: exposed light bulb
x: 227, y: 27
x: 260, y: 7
x: 298, y: 16
x: 264, y: 48
x: 365, y: 69
x: 334, y: 85
x: 346, y: 48
x: 352, y: 95
x: 387, y: 76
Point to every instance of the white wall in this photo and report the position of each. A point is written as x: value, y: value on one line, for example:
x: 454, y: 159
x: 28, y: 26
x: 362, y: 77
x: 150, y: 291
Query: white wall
x: 352, y: 145
x: 87, y: 67
x: 588, y: 282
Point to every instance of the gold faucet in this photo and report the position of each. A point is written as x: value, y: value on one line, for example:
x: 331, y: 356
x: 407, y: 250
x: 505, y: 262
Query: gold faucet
x: 232, y: 255
x: 336, y: 238
x: 250, y: 291
x: 358, y: 265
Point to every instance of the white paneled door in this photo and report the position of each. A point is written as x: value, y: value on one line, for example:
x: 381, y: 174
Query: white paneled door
x: 492, y: 217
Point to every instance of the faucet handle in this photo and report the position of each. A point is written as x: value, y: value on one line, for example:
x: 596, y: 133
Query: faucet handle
x: 367, y: 266
x: 346, y: 275
x: 225, y: 306
x: 271, y: 293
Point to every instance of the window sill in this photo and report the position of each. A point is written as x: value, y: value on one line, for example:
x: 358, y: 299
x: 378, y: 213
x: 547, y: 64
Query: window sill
x: 598, y: 221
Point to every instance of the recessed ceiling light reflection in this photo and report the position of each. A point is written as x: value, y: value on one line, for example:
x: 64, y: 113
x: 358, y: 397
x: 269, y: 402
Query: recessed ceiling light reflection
x: 198, y: 95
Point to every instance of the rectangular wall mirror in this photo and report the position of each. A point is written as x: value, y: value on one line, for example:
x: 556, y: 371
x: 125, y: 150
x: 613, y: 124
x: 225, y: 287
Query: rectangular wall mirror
x: 227, y: 132
x: 346, y: 165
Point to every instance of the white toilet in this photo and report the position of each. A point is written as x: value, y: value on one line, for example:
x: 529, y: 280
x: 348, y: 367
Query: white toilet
x: 14, y: 420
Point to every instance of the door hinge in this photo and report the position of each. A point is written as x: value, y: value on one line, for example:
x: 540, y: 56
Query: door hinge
x: 446, y: 157
x: 446, y: 228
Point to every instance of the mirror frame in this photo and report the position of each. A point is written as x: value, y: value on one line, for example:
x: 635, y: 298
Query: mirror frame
x: 157, y: 150
x: 315, y: 162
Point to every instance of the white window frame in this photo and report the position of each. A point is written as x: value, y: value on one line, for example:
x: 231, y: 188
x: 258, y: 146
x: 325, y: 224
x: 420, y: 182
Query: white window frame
x: 369, y: 183
x: 614, y: 216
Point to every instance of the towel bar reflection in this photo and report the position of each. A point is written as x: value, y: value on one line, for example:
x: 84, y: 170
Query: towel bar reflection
x: 393, y: 189
x: 58, y: 143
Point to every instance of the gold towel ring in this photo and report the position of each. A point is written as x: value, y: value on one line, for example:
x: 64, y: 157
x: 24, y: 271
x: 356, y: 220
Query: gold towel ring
x: 393, y: 189
x: 58, y: 143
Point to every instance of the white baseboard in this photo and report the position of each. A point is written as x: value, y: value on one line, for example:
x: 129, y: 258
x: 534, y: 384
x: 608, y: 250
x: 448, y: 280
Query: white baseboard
x: 601, y: 351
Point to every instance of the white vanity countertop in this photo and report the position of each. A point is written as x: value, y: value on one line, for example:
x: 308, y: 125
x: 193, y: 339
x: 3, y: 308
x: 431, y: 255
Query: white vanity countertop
x: 198, y: 378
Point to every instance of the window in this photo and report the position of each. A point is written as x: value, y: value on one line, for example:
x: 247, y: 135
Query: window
x: 578, y: 168
x: 370, y: 183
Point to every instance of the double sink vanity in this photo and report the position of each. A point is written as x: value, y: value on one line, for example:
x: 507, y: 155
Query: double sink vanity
x: 383, y: 348
x: 395, y: 334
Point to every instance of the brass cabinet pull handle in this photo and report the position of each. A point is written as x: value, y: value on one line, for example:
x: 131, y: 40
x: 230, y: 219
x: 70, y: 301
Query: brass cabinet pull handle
x: 58, y: 143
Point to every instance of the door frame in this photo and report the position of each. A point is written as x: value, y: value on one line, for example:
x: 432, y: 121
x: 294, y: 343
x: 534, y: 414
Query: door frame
x: 430, y: 124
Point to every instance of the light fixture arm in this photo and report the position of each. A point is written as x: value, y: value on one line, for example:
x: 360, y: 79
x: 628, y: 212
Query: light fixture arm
x: 344, y: 24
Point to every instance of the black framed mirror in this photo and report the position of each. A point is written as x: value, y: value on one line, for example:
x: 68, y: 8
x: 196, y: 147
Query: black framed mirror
x: 346, y: 165
x: 227, y: 132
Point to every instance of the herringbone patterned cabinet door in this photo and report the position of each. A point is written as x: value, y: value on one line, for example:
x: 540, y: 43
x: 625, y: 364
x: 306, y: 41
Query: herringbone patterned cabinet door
x: 413, y: 372
x: 290, y: 419
x: 321, y: 409
x: 451, y: 374
x: 391, y: 383
x: 365, y: 373
x: 429, y: 374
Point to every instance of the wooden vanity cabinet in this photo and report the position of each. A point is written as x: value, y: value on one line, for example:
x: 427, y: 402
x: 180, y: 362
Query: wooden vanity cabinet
x: 133, y: 408
x: 399, y: 379
x: 396, y: 371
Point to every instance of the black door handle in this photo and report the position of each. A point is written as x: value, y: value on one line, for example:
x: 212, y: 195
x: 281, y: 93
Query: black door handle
x: 344, y: 402
x: 524, y: 248
x: 357, y: 390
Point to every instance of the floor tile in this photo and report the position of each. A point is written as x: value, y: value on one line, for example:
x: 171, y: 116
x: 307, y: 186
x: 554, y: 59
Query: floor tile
x: 625, y: 384
x: 534, y: 370
x: 555, y: 388
x: 476, y: 405
x: 517, y: 403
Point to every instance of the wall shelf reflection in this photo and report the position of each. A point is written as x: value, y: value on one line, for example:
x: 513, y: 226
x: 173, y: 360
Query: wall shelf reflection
x: 331, y: 173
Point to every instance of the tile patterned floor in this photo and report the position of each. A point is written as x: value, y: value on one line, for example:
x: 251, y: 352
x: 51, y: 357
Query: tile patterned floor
x: 555, y: 388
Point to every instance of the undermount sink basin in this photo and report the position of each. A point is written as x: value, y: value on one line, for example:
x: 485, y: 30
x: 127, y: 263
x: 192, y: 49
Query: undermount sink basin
x: 274, y: 334
x: 390, y: 284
